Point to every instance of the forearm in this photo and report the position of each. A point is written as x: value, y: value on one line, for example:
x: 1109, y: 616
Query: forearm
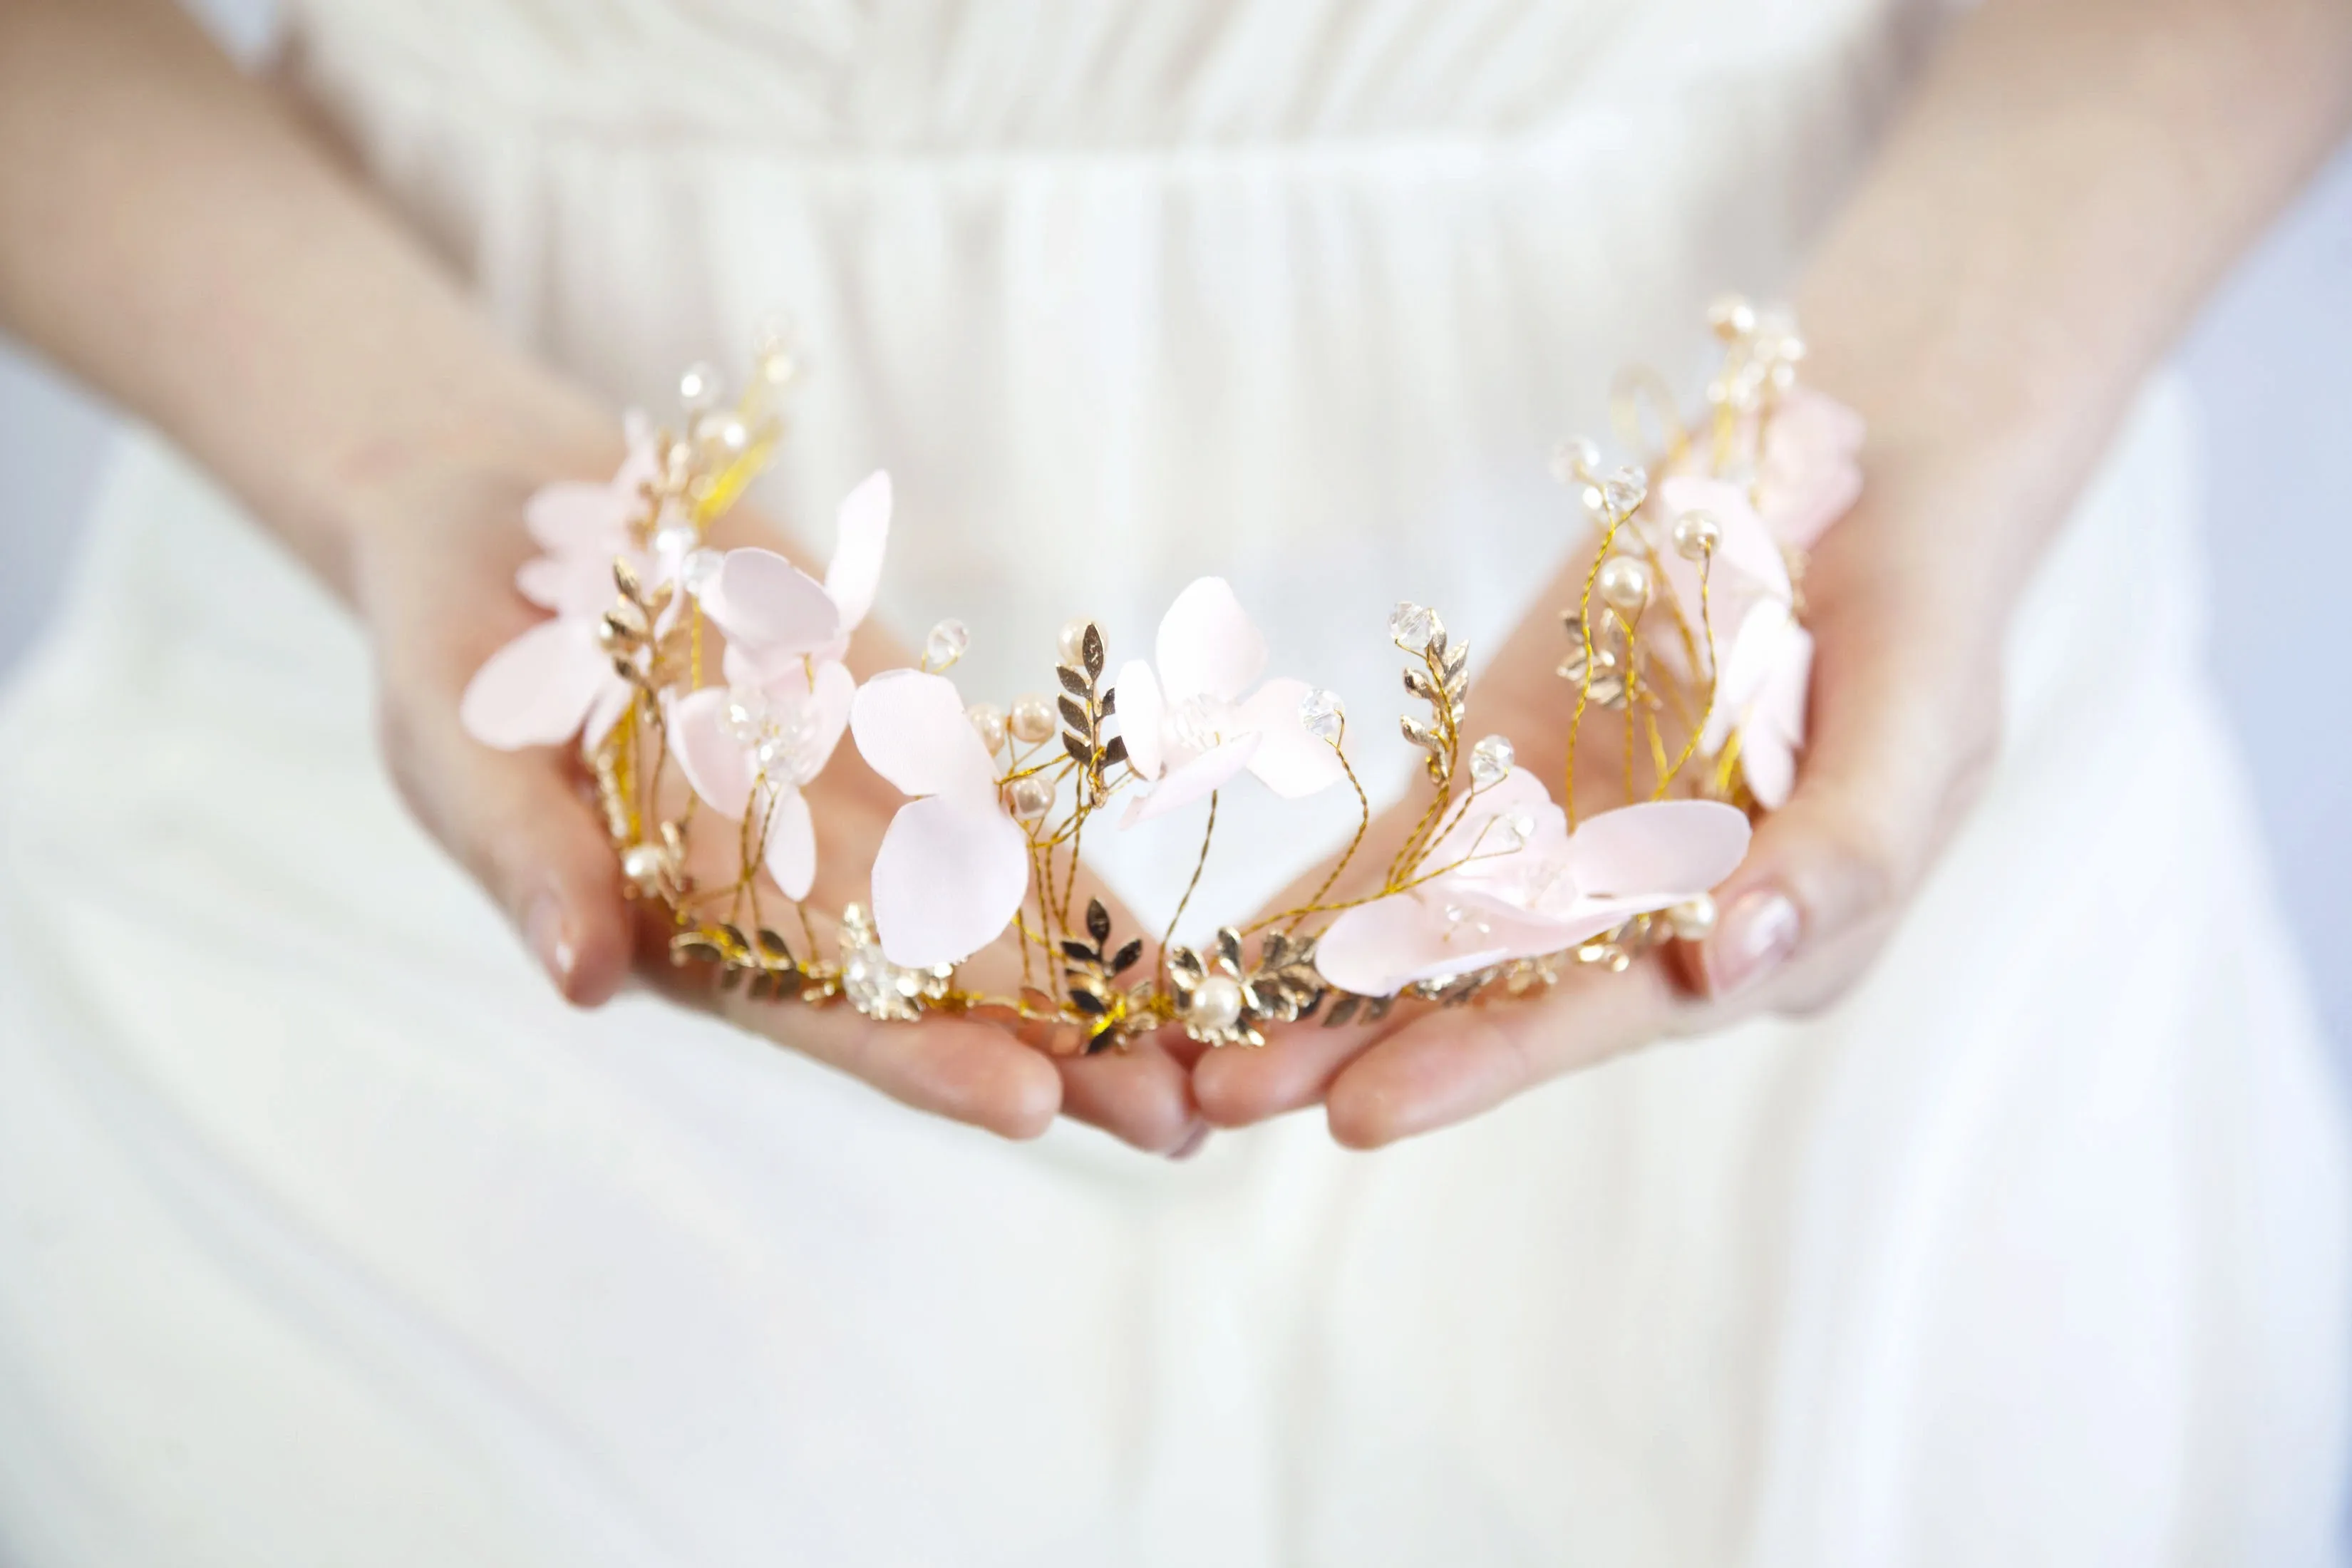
x: 2070, y: 179
x: 170, y: 234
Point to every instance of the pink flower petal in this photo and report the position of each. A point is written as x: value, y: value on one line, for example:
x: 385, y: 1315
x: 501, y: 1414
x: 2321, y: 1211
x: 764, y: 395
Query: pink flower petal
x: 536, y: 690
x: 948, y: 878
x: 713, y: 762
x: 832, y: 694
x: 861, y: 535
x: 1377, y: 949
x: 1808, y: 475
x: 765, y: 602
x: 1207, y: 645
x: 1659, y: 852
x: 1774, y: 731
x: 1141, y: 710
x: 791, y: 849
x: 612, y: 703
x: 1195, y: 780
x: 1520, y: 791
x: 911, y: 729
x: 573, y: 517
x: 1765, y: 639
x: 1290, y: 762
x: 569, y: 584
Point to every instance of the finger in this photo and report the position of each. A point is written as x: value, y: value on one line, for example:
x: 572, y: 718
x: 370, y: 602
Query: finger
x: 1448, y: 1066
x: 957, y: 1068
x: 520, y: 822
x: 1140, y: 1096
x: 1237, y: 1086
x: 1903, y: 735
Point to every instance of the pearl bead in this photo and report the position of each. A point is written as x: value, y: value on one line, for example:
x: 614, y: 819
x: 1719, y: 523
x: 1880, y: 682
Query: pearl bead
x: 1731, y: 317
x: 1032, y: 720
x: 1696, y: 535
x: 1032, y: 798
x: 645, y: 865
x: 988, y: 719
x: 1216, y: 1003
x: 1693, y: 919
x: 1624, y: 583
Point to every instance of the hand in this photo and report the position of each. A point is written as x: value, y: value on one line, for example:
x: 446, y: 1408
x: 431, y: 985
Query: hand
x: 434, y: 581
x: 1904, y: 709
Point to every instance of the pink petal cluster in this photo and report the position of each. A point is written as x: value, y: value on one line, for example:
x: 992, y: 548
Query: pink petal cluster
x: 555, y: 680
x: 1195, y: 723
x: 1807, y: 474
x: 1521, y: 885
x: 953, y: 865
x: 756, y: 741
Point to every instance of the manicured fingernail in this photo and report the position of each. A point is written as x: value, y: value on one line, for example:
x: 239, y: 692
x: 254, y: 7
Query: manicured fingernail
x: 1752, y: 938
x: 1194, y: 1141
x: 550, y: 939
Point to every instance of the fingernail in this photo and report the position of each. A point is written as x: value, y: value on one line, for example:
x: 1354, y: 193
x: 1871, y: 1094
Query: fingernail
x: 1752, y: 938
x: 1194, y: 1141
x: 549, y: 937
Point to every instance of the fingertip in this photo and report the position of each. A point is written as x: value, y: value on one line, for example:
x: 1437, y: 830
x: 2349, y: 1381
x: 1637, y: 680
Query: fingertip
x: 1029, y: 1102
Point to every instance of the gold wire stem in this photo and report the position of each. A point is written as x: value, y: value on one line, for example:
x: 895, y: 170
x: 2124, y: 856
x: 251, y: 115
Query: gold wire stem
x: 1208, y: 832
x: 1338, y: 867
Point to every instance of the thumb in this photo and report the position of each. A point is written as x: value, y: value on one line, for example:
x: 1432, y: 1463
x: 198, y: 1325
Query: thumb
x: 525, y: 825
x: 1903, y: 712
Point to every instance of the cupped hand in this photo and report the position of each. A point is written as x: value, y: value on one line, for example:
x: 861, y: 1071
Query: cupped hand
x: 432, y: 579
x: 1903, y: 723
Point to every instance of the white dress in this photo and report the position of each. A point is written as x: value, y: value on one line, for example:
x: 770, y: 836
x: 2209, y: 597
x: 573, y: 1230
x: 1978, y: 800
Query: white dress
x: 328, y: 1235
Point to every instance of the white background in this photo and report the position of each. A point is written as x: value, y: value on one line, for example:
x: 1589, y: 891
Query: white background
x: 2270, y: 359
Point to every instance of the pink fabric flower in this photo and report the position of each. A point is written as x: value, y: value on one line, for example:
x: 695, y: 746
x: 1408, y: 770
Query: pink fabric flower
x: 1526, y: 886
x: 1189, y: 729
x: 756, y: 741
x: 953, y: 865
x: 556, y: 681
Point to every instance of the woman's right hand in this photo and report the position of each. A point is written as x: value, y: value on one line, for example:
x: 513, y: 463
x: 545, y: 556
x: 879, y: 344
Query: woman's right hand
x: 432, y: 577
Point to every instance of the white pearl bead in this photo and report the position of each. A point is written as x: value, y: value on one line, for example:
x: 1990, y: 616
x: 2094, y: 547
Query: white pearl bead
x: 1032, y: 720
x: 988, y: 719
x: 1216, y: 1003
x: 1624, y: 583
x: 1693, y: 919
x: 1696, y: 535
x: 1072, y: 642
x: 1032, y: 797
x: 645, y: 864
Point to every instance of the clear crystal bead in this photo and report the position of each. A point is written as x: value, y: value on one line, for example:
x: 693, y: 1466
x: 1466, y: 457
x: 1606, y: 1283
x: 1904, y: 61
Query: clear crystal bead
x: 699, y: 570
x: 1490, y: 761
x: 946, y: 645
x: 1573, y: 459
x: 1624, y: 492
x: 1324, y: 718
x: 1512, y: 830
x: 1411, y: 625
x: 745, y: 715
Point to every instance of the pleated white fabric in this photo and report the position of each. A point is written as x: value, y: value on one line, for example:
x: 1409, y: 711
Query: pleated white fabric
x: 327, y: 1236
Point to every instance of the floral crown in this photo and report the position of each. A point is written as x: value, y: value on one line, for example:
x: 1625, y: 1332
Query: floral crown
x: 707, y: 689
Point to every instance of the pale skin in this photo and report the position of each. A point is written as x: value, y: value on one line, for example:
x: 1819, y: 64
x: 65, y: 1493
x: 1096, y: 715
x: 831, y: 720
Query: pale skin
x: 2061, y: 190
